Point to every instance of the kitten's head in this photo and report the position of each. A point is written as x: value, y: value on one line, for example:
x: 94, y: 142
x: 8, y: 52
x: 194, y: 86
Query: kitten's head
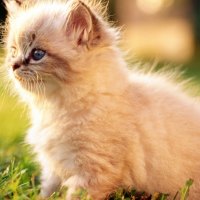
x: 49, y: 42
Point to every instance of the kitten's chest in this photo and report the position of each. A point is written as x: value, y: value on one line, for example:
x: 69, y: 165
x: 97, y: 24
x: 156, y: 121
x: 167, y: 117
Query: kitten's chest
x: 49, y: 133
x: 54, y: 144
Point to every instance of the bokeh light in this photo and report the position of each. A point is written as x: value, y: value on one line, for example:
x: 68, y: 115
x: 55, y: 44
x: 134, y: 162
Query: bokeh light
x: 153, y: 6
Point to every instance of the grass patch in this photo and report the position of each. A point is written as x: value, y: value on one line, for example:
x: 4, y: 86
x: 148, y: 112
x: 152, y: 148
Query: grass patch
x: 133, y: 194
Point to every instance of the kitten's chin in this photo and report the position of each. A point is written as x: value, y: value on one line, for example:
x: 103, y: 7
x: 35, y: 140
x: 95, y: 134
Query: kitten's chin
x: 29, y: 81
x: 32, y: 86
x: 40, y: 88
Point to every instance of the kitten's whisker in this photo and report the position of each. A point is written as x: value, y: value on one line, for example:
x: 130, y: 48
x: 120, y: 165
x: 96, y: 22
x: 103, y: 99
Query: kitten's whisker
x: 3, y: 95
x: 38, y: 79
x: 28, y: 85
x: 42, y: 86
x: 5, y: 89
x: 32, y: 83
x: 37, y: 85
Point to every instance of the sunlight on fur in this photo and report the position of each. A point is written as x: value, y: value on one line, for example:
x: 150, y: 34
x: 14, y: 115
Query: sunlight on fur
x: 96, y: 124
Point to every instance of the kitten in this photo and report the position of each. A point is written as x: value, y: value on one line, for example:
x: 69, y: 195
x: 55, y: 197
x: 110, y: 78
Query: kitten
x: 95, y: 124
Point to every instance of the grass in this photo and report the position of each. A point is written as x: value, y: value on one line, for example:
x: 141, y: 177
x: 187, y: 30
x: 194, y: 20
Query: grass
x: 19, y: 175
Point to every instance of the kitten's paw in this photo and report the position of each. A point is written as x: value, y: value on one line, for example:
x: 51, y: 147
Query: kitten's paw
x: 50, y: 184
x: 44, y: 194
x: 48, y: 189
x: 77, y: 194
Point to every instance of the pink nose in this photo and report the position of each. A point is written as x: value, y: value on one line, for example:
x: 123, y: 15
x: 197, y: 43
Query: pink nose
x: 15, y: 66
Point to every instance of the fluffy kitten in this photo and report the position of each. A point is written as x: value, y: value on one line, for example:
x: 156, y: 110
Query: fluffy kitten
x: 95, y: 124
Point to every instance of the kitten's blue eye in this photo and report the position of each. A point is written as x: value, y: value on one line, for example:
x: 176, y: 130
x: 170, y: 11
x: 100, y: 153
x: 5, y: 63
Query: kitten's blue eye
x: 37, y: 54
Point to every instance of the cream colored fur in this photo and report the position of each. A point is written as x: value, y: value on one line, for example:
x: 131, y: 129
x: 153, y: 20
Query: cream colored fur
x: 95, y: 124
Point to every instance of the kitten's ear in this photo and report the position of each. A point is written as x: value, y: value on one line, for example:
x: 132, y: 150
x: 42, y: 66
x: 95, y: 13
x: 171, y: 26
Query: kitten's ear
x: 82, y: 25
x: 13, y: 6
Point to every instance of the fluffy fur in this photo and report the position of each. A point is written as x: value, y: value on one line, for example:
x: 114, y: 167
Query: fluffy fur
x: 95, y: 124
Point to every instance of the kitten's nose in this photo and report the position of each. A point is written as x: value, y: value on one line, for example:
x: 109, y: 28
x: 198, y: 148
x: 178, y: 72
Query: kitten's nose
x: 16, y: 66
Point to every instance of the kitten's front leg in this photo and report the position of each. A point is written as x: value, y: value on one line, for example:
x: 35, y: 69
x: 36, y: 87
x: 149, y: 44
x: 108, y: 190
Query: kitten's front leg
x: 50, y: 183
x: 74, y: 184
